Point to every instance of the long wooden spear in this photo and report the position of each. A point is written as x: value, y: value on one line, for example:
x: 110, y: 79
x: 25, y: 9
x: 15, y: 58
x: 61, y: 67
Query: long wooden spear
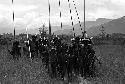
x: 84, y: 19
x: 60, y: 12
x: 71, y: 18
x: 13, y: 18
x: 49, y: 19
x: 77, y: 15
x: 28, y: 41
x: 60, y: 17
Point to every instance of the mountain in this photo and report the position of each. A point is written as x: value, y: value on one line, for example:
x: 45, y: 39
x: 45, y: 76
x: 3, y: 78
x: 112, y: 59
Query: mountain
x: 6, y: 27
x: 94, y: 23
x: 114, y: 26
x: 89, y: 24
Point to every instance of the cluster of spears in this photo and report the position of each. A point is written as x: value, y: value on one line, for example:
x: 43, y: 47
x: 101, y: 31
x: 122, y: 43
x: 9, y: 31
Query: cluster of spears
x: 60, y: 59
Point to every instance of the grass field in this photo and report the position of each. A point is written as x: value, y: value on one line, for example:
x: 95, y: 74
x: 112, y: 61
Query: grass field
x: 113, y: 64
x: 24, y: 71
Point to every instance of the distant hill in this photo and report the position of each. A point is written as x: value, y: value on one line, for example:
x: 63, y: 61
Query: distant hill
x: 6, y: 27
x: 89, y: 24
x: 114, y: 26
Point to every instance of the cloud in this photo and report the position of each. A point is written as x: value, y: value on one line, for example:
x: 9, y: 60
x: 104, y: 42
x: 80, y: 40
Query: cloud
x: 104, y: 9
x: 4, y: 7
x: 18, y: 8
x: 118, y: 2
x: 33, y: 13
x: 23, y: 8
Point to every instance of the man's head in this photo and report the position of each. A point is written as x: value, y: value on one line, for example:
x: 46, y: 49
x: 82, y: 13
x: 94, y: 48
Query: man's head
x: 44, y: 38
x: 16, y: 43
x: 73, y: 40
x: 34, y: 37
x: 77, y: 39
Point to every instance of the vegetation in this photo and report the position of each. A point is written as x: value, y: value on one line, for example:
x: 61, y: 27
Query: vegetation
x: 110, y: 49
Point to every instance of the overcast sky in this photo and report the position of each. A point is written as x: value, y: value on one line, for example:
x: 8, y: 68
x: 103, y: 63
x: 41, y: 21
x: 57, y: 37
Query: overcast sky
x: 33, y: 13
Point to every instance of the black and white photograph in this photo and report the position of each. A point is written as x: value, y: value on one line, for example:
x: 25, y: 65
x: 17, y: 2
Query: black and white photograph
x: 62, y: 41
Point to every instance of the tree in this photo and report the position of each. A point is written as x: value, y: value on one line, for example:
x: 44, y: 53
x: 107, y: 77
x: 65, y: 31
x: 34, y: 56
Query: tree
x: 43, y: 30
x: 103, y: 33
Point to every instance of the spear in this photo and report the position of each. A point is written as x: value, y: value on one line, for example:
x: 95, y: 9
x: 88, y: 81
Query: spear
x: 60, y: 16
x: 77, y: 14
x: 71, y: 18
x: 28, y: 41
x: 84, y: 19
x: 13, y: 18
x: 60, y: 13
x: 49, y: 19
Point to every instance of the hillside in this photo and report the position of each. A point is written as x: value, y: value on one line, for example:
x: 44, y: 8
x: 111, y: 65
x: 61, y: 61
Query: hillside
x: 93, y: 27
x: 7, y: 28
x: 114, y: 26
x: 89, y: 24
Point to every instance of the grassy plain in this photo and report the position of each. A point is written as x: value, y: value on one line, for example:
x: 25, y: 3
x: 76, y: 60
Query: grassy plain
x: 24, y: 71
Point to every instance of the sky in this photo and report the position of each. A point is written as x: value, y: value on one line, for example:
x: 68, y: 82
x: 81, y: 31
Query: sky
x: 34, y: 13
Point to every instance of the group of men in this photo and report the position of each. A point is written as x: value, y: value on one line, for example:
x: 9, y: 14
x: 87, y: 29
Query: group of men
x: 61, y: 59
